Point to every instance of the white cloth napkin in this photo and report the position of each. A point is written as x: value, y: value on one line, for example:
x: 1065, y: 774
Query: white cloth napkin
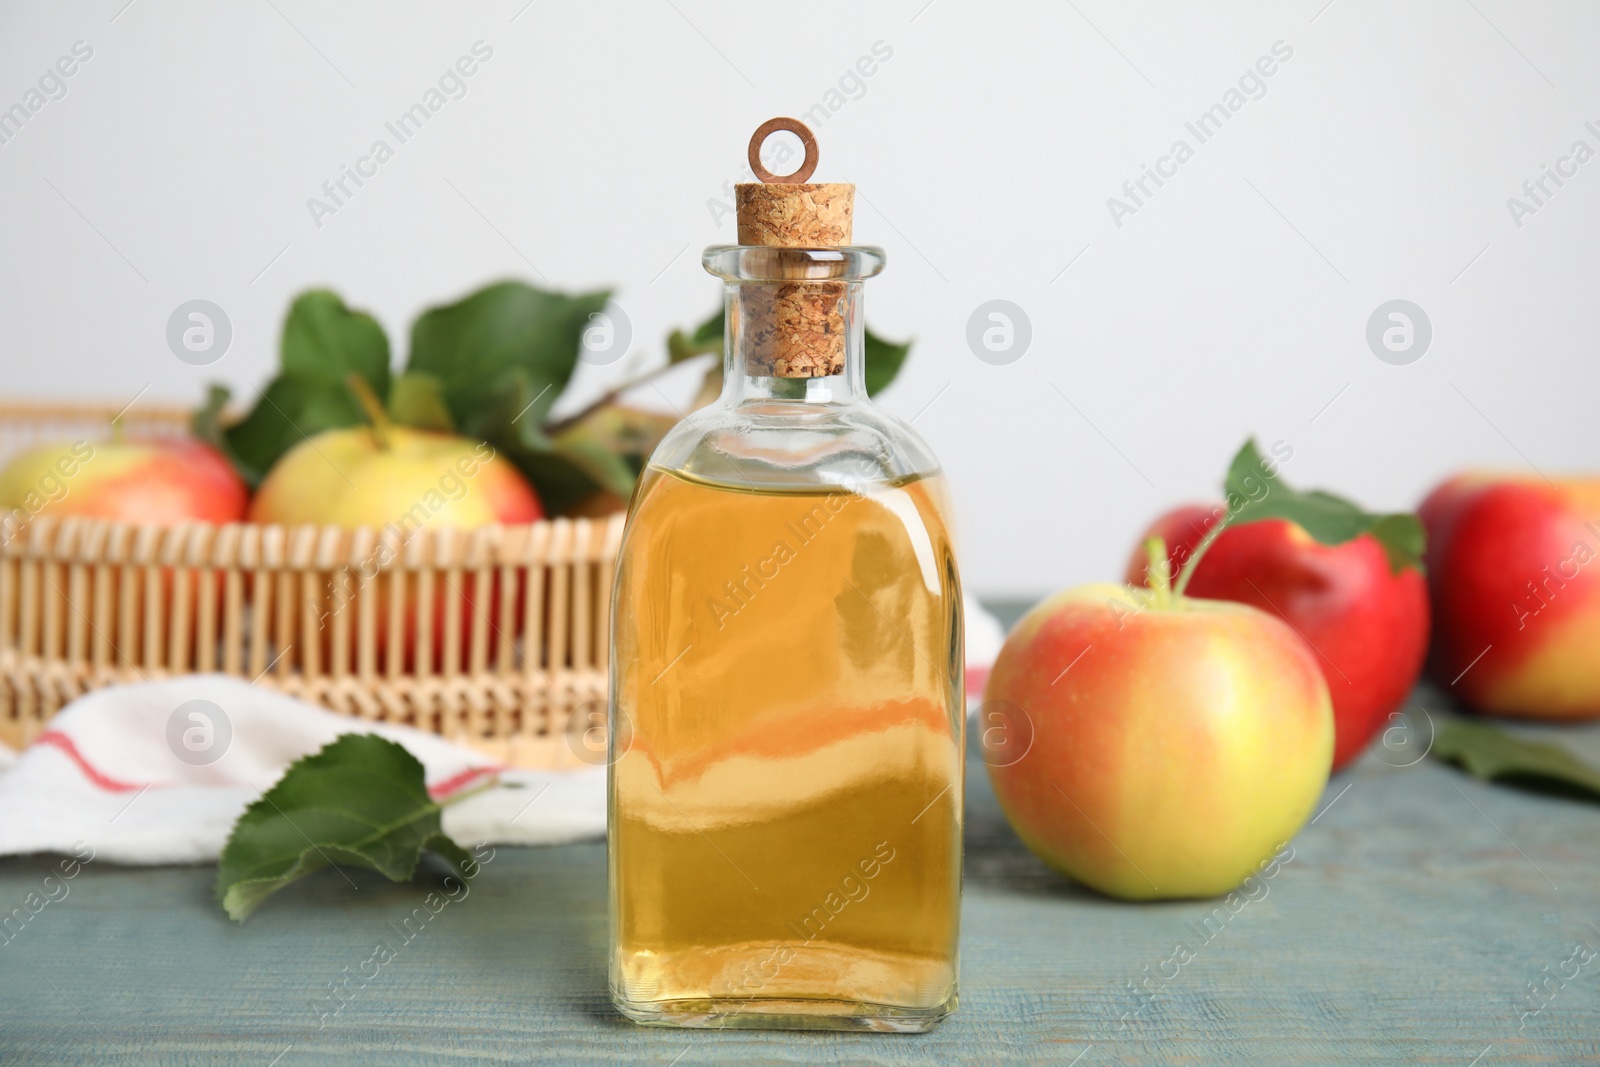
x: 107, y: 773
x: 984, y: 636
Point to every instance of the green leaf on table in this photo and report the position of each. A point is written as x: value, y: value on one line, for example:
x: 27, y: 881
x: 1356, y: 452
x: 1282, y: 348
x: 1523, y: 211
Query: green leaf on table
x: 417, y: 399
x: 323, y: 342
x: 1494, y: 755
x: 472, y: 345
x: 361, y: 801
x: 1255, y: 492
x: 883, y: 358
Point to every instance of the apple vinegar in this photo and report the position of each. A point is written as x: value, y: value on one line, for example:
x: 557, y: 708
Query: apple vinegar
x: 787, y: 725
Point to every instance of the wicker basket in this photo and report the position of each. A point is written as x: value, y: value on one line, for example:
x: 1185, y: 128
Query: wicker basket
x: 321, y: 613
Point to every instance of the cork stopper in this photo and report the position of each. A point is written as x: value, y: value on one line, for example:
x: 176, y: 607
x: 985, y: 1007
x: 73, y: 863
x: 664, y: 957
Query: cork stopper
x: 793, y: 329
x: 807, y: 215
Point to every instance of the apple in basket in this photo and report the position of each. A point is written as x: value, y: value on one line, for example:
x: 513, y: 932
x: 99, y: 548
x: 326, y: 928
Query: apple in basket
x: 160, y: 480
x: 406, y: 479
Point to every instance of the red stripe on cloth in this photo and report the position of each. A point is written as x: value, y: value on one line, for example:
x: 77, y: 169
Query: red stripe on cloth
x: 453, y: 784
x: 456, y: 783
x: 104, y: 781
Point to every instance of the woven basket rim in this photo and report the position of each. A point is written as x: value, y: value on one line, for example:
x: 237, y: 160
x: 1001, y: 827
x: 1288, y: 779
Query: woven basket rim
x: 316, y: 610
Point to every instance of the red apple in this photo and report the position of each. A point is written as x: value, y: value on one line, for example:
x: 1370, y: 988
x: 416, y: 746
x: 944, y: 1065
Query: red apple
x: 162, y: 481
x: 1152, y: 746
x: 406, y: 480
x: 1367, y: 625
x: 1516, y: 593
x: 158, y: 480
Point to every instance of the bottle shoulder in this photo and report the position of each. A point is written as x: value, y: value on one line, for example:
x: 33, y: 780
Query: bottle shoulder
x: 780, y: 445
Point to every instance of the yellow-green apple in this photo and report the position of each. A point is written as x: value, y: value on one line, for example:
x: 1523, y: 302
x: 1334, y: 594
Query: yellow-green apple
x: 159, y: 480
x: 1516, y: 593
x: 405, y: 480
x: 1172, y: 743
x: 1367, y: 623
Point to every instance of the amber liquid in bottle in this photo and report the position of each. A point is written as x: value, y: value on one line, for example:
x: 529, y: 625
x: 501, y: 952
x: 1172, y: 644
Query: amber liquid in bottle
x: 787, y: 738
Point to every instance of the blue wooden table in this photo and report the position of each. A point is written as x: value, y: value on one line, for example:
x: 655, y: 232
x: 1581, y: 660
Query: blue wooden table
x: 1424, y: 918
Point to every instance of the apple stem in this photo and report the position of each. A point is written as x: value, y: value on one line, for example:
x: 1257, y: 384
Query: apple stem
x: 1200, y: 549
x: 371, y: 406
x: 1158, y: 571
x: 611, y: 396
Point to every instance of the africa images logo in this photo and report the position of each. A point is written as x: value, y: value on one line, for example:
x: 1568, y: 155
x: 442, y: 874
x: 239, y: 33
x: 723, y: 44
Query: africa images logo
x: 452, y: 85
x: 1252, y: 85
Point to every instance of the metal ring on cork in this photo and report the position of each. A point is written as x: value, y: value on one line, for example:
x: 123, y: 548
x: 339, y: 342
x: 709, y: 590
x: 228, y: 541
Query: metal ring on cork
x: 790, y: 211
x: 808, y: 140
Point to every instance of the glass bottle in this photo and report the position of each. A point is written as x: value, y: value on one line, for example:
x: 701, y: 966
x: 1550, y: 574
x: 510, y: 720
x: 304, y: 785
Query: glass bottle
x: 787, y: 712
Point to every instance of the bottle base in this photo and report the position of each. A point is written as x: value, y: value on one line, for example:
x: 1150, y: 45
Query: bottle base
x: 786, y: 1014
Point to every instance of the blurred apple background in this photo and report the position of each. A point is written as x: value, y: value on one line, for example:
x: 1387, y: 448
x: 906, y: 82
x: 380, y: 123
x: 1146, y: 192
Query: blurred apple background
x: 593, y: 144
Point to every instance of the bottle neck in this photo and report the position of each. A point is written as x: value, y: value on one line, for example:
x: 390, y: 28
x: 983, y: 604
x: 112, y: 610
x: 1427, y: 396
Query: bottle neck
x: 749, y: 376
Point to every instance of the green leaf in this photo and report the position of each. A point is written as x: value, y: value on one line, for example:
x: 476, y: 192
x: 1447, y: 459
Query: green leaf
x: 604, y: 467
x: 711, y: 331
x: 572, y: 467
x: 612, y: 444
x: 361, y: 801
x: 287, y: 413
x: 206, y: 422
x: 417, y: 399
x: 561, y: 478
x: 1255, y: 492
x: 705, y: 340
x: 883, y: 358
x: 473, y: 345
x: 710, y: 387
x: 500, y: 358
x: 506, y: 416
x: 681, y: 347
x: 564, y: 479
x: 621, y: 429
x: 323, y: 342
x: 1404, y: 539
x: 1492, y: 754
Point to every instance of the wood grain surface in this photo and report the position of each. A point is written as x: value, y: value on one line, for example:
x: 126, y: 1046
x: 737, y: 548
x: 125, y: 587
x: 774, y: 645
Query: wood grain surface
x: 1416, y: 915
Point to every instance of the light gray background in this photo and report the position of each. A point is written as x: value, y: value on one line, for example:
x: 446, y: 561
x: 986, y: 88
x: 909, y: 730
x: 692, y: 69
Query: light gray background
x: 1376, y: 166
